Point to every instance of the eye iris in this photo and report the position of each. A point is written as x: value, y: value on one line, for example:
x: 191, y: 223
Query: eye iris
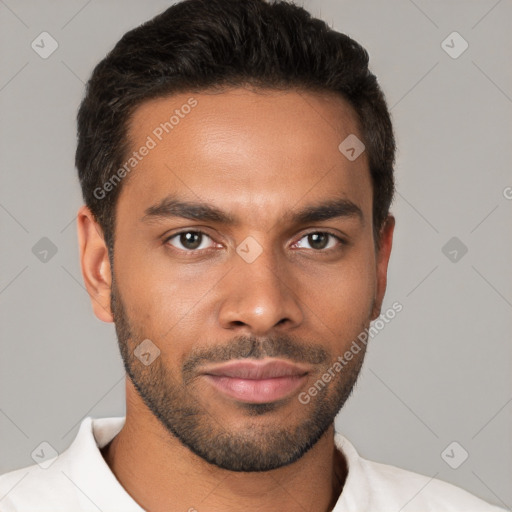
x: 318, y: 240
x: 191, y: 239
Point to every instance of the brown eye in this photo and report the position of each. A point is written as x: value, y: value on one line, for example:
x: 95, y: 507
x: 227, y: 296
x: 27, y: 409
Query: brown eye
x: 189, y: 240
x: 318, y: 240
x: 321, y: 240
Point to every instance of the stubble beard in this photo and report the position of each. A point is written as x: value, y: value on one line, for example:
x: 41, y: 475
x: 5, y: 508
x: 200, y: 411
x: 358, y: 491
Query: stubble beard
x: 258, y: 446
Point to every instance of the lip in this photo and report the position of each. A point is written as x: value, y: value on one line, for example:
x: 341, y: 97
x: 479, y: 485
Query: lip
x: 257, y: 381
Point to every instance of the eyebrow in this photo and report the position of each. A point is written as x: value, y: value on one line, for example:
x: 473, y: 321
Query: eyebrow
x: 171, y: 207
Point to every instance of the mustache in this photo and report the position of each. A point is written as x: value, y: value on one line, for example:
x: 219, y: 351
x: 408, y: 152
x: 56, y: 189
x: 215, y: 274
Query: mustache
x: 251, y: 347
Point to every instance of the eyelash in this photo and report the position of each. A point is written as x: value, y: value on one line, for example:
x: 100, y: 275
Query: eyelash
x: 193, y: 252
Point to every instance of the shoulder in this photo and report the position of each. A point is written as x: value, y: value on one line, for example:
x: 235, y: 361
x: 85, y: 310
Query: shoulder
x: 416, y: 492
x: 77, y: 479
x: 386, y: 488
x: 33, y: 488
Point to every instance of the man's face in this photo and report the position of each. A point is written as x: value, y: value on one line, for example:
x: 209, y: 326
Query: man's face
x: 281, y: 294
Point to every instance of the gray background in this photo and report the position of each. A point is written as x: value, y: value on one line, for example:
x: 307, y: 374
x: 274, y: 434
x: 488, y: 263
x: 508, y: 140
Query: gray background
x: 439, y: 372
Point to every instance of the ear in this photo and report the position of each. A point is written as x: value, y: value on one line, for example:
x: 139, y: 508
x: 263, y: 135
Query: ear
x: 95, y: 264
x: 383, y: 254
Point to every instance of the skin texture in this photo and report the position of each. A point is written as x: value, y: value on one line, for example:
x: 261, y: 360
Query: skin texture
x: 258, y: 156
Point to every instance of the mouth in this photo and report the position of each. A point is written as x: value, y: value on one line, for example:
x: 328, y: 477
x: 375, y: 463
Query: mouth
x: 257, y: 382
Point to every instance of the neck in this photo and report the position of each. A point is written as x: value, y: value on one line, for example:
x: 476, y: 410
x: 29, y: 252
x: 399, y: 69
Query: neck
x: 163, y: 475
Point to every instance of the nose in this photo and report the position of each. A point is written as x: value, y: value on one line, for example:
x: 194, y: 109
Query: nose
x: 260, y: 296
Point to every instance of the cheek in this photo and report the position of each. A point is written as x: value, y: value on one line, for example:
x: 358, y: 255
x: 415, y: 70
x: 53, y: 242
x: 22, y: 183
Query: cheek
x: 341, y: 296
x: 165, y: 299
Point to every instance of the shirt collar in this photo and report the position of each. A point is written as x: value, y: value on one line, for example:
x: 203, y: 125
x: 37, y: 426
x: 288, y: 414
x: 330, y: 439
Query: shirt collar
x: 97, y: 484
x: 90, y: 473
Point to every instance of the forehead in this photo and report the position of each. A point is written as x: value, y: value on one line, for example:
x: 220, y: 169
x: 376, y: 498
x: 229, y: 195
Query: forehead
x: 248, y: 152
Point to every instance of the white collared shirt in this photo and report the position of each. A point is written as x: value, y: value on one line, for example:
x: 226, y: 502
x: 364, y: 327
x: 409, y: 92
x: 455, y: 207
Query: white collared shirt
x: 79, y: 480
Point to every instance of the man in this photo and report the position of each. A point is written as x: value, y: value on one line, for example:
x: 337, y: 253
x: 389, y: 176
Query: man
x: 236, y: 161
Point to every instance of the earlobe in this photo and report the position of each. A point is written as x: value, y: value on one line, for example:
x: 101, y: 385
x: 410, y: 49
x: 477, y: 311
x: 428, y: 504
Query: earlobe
x: 383, y: 254
x: 95, y: 264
